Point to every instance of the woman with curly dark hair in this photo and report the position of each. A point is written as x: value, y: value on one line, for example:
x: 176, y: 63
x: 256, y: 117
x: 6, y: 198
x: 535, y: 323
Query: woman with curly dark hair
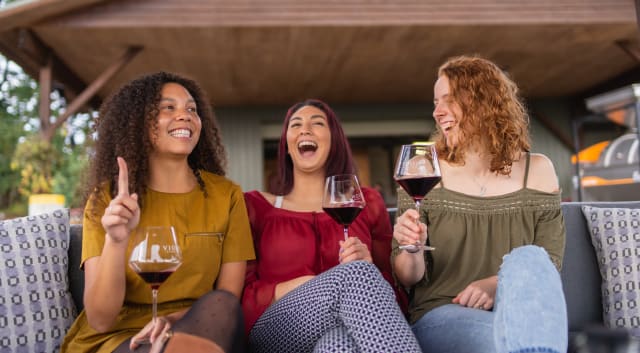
x: 159, y: 160
x: 495, y: 221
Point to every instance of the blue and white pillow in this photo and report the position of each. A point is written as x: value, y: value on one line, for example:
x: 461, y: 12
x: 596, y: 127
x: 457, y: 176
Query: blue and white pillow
x: 36, y: 308
x: 615, y: 235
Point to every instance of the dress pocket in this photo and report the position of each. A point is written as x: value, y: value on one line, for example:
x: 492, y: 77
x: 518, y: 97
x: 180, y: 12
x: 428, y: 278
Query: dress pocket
x: 203, y: 255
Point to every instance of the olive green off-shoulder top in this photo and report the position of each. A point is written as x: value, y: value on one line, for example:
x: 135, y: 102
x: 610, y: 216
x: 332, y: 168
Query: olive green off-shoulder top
x: 471, y: 235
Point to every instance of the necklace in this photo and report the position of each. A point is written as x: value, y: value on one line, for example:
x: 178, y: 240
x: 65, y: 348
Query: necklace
x: 483, y: 187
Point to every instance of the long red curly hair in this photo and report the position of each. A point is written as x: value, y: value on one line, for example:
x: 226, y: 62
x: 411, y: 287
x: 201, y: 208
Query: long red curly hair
x: 493, y: 113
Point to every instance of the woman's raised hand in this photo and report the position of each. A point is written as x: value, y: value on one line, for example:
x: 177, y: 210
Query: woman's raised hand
x: 123, y: 213
x: 408, y: 230
x: 353, y: 249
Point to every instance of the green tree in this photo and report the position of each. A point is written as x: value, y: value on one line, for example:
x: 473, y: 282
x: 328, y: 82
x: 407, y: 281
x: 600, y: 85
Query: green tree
x: 28, y: 163
x: 16, y: 104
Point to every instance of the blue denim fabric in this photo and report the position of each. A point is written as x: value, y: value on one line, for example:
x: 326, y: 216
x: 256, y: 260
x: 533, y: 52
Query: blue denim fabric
x: 529, y: 314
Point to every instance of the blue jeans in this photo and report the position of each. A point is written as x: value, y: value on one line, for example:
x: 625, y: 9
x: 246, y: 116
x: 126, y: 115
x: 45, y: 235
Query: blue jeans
x: 529, y: 313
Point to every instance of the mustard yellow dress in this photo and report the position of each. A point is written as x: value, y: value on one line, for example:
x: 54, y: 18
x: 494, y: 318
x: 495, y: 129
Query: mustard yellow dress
x: 211, y: 231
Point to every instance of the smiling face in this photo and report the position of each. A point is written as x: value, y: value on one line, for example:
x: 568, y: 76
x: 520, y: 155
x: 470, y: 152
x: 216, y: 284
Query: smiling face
x: 178, y: 125
x: 308, y: 139
x: 447, y: 113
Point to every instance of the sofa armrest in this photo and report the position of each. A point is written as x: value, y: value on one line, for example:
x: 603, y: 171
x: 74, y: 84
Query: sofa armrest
x: 76, y: 275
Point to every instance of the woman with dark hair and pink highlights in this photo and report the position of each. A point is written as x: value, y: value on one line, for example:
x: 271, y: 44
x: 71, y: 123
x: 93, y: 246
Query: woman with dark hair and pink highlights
x: 309, y: 290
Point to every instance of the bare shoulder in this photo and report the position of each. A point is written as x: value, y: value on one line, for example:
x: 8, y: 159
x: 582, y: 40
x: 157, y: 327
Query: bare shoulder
x: 542, y: 174
x: 268, y: 196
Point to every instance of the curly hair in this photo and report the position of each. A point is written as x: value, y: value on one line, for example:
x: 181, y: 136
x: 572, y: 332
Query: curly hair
x: 122, y: 129
x: 493, y: 113
x: 339, y: 160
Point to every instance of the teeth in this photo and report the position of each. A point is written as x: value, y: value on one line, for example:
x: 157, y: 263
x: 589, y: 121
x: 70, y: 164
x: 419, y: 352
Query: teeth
x: 447, y: 126
x: 304, y: 144
x: 180, y: 133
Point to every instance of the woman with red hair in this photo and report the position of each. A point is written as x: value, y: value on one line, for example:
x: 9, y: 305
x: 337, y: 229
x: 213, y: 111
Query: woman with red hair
x: 492, y: 284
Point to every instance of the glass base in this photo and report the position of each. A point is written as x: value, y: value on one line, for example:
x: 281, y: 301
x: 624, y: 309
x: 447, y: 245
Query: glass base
x: 416, y: 247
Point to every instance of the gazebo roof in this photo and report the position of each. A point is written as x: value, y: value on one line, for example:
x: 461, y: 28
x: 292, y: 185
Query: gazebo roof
x: 252, y: 52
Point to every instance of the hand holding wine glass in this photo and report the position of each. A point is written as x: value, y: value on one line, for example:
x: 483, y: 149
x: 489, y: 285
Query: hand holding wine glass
x: 343, y: 199
x: 155, y: 256
x: 417, y: 171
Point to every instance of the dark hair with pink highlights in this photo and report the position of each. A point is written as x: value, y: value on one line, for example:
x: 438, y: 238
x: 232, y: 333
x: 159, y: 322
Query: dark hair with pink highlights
x: 339, y: 161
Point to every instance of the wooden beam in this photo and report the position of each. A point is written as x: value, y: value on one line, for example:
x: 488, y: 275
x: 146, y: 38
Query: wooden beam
x: 45, y: 81
x: 628, y: 47
x: 93, y: 88
x: 26, y: 48
x: 28, y: 12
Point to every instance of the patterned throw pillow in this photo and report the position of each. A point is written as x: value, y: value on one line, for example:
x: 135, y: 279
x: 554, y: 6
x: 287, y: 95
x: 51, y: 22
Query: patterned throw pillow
x: 36, y: 308
x: 615, y: 234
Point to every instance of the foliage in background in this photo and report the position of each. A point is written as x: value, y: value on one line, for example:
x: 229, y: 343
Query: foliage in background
x: 28, y: 163
x: 16, y: 104
x: 36, y: 159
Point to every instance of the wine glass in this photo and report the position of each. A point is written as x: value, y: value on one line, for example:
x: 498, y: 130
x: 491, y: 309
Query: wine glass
x: 155, y: 256
x: 343, y: 199
x: 417, y: 171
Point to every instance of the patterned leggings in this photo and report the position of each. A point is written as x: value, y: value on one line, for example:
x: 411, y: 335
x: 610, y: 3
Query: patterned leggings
x: 349, y: 308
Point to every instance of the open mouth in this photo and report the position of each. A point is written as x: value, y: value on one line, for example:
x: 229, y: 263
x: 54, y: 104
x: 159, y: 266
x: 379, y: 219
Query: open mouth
x: 447, y: 126
x: 180, y: 133
x: 307, y: 147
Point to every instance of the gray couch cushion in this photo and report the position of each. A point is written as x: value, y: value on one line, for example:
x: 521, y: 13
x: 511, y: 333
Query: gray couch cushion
x: 615, y: 234
x: 36, y: 308
x: 580, y: 273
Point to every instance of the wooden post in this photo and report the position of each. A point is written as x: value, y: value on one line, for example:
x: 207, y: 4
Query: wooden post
x: 44, y: 111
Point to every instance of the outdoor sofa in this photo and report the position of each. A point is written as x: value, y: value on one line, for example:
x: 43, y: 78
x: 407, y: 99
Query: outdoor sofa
x: 41, y: 283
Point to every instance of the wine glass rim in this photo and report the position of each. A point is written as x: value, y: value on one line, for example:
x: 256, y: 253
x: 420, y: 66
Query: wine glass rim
x: 346, y: 175
x: 420, y: 144
x: 342, y: 174
x: 156, y: 227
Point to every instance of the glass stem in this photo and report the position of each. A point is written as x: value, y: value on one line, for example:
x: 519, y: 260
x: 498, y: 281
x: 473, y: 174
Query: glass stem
x: 154, y: 304
x: 346, y: 232
x: 418, y: 220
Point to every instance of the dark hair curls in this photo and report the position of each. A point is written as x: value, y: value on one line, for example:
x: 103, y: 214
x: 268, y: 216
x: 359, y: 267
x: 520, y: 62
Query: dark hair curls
x: 122, y: 129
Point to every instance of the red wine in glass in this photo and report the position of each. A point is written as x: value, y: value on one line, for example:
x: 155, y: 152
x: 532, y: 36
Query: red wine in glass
x: 417, y: 172
x: 155, y: 279
x: 343, y: 199
x: 418, y: 187
x: 154, y: 257
x: 343, y: 215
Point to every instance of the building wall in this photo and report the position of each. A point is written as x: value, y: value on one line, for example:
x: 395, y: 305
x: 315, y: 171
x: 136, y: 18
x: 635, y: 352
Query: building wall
x: 242, y: 139
x: 375, y: 132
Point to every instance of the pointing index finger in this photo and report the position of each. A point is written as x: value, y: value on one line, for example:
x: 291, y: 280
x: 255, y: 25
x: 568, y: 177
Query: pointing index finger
x: 123, y: 177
